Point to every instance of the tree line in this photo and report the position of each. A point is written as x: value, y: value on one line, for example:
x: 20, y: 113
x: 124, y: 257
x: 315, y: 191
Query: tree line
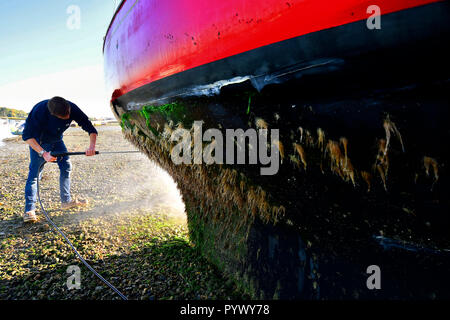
x: 12, y: 113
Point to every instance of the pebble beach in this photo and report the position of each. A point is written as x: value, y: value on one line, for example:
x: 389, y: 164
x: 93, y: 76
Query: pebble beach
x: 133, y: 231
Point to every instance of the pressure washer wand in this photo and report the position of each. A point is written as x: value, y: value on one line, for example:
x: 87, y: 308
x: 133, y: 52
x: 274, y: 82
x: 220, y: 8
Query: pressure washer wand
x: 62, y: 154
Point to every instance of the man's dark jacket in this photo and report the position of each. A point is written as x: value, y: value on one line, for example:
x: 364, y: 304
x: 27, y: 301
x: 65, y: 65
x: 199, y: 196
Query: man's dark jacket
x: 46, y: 128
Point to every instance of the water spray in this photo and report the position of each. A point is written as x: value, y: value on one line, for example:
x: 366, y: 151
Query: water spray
x: 55, y: 227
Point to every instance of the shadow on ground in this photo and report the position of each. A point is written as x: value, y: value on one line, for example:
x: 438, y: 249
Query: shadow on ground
x: 158, y: 270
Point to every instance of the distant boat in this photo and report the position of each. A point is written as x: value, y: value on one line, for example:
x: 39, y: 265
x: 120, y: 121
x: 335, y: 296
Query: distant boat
x: 18, y: 130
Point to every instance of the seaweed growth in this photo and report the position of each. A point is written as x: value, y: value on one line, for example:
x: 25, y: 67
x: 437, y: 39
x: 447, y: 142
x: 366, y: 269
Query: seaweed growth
x: 125, y: 121
x: 232, y: 202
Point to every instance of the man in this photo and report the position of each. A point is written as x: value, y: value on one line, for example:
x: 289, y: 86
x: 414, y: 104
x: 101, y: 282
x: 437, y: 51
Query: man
x: 43, y: 132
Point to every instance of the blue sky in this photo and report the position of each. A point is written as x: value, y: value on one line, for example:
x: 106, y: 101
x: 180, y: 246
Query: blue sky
x: 38, y: 49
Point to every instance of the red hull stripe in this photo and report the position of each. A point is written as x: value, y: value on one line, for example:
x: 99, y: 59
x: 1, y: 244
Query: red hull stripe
x: 152, y: 39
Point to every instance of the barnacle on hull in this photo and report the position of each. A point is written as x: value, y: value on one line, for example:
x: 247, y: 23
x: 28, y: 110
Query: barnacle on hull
x: 344, y: 142
x: 261, y: 123
x: 382, y: 161
x: 349, y: 171
x: 389, y: 128
x: 335, y: 155
x: 280, y: 147
x: 167, y: 131
x: 309, y: 140
x: 242, y: 186
x: 367, y: 177
x: 294, y: 160
x: 301, y: 134
x: 301, y: 152
x: 320, y: 138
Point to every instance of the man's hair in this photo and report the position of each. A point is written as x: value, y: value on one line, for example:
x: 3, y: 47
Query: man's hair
x: 58, y: 107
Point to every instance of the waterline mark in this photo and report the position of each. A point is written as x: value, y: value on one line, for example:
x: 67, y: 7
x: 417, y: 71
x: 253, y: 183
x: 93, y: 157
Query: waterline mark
x: 241, y: 147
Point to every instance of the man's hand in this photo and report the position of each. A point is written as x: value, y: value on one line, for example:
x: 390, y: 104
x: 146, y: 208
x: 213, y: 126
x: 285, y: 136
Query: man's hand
x: 90, y: 151
x: 48, y: 157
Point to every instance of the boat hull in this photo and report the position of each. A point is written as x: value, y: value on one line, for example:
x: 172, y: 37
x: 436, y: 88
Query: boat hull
x: 312, y: 230
x: 152, y: 40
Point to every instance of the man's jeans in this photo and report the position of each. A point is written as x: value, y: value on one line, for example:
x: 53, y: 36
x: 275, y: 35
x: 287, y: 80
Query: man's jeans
x: 65, y: 167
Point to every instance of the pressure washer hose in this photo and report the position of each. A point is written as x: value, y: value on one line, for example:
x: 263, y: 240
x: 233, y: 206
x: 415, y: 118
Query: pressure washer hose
x: 55, y: 227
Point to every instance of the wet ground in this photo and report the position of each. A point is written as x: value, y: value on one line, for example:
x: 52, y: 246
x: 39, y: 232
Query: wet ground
x: 133, y: 231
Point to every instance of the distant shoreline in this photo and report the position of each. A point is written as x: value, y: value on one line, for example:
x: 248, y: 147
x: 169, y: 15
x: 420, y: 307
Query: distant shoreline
x: 13, y: 118
x: 17, y: 138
